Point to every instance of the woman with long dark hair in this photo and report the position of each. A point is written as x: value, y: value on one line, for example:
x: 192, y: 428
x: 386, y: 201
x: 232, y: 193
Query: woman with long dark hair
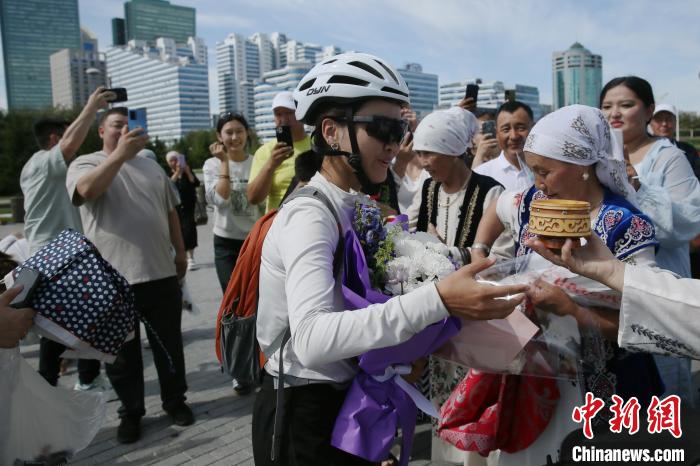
x: 667, y: 191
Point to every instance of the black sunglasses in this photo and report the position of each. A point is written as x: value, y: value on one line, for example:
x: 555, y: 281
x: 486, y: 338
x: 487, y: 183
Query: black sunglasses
x: 385, y: 129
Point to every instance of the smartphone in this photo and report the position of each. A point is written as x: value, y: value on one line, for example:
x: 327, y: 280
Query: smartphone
x: 472, y: 91
x: 137, y: 118
x: 488, y: 127
x: 510, y: 95
x: 30, y: 278
x: 181, y: 160
x: 120, y: 92
x: 284, y: 134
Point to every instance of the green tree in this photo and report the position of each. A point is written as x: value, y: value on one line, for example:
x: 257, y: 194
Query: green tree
x: 17, y: 143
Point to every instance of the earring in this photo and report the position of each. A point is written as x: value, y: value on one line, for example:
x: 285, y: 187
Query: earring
x: 335, y: 146
x: 585, y: 176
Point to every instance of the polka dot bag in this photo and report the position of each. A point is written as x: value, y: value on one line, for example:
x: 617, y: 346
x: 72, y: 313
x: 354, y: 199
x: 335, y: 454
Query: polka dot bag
x: 81, y: 301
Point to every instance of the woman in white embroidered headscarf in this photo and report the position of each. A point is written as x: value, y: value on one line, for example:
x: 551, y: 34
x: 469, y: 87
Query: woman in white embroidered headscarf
x: 572, y: 155
x: 450, y: 205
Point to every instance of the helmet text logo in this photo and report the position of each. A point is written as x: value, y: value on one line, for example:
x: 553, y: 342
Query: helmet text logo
x: 318, y: 90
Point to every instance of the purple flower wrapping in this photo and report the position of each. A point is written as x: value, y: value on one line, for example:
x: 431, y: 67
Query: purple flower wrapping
x: 374, y: 409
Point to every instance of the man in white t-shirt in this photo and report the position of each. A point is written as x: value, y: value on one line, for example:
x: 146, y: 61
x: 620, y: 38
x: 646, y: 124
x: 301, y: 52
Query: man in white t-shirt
x: 513, y: 123
x: 128, y: 210
x: 48, y: 210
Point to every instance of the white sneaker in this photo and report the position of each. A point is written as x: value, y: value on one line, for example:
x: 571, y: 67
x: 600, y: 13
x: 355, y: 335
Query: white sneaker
x: 100, y: 383
x: 191, y: 264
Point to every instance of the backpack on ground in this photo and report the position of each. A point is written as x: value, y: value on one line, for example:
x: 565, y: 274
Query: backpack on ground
x: 236, y: 344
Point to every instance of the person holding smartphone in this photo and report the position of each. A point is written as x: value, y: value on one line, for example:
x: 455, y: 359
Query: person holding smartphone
x: 49, y: 210
x: 226, y: 178
x: 273, y: 164
x: 128, y: 210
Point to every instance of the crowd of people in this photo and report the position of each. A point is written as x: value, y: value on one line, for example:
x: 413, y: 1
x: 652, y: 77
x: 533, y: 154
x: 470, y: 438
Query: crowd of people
x: 468, y: 186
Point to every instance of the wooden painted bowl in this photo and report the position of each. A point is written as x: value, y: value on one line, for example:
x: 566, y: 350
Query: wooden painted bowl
x: 555, y: 220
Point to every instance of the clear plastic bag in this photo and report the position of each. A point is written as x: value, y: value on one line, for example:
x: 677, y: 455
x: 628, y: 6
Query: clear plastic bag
x: 41, y: 421
x: 530, y: 341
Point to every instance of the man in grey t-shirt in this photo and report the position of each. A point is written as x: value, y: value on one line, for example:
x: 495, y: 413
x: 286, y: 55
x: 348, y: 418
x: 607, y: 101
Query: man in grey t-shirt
x: 128, y: 210
x: 49, y: 210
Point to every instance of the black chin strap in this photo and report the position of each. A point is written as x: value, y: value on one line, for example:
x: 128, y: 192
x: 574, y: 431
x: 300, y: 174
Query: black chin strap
x: 355, y: 160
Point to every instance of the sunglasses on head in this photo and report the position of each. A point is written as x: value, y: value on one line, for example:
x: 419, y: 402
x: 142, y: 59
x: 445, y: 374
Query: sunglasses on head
x: 227, y: 116
x: 385, y: 129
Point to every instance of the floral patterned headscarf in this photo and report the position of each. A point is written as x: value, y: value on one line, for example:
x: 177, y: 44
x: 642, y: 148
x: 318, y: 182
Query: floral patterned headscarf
x: 581, y: 135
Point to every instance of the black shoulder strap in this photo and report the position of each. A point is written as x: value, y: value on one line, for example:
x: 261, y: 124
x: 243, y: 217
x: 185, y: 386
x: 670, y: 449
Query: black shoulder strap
x: 315, y: 193
x: 305, y: 191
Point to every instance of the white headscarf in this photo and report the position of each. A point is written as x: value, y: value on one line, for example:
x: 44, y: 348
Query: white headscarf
x: 581, y: 135
x: 447, y: 132
x: 148, y: 153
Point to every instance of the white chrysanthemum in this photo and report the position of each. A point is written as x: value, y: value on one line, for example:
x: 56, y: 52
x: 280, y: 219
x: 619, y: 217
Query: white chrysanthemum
x: 435, y: 266
x: 408, y: 247
x: 425, y: 238
x: 401, y: 269
x: 439, y: 248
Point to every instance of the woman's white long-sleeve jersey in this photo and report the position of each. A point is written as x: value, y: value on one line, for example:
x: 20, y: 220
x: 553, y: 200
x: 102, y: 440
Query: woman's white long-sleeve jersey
x: 660, y: 313
x: 297, y: 288
x: 670, y: 196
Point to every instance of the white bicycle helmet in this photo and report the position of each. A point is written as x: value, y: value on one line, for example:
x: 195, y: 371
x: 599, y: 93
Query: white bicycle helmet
x: 345, y: 78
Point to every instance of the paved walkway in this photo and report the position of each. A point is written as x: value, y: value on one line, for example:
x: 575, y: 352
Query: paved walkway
x: 221, y: 434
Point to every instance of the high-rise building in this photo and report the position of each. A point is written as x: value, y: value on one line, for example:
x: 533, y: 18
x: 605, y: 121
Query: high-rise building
x: 169, y: 79
x: 279, y: 45
x: 300, y: 51
x: 423, y: 88
x: 76, y: 73
x: 529, y: 95
x: 491, y: 95
x: 272, y: 82
x: 577, y: 77
x: 150, y: 19
x: 237, y: 66
x: 118, y: 31
x: 31, y: 31
x: 242, y: 61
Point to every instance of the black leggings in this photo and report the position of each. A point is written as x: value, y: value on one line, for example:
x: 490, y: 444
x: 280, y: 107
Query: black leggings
x: 305, y: 438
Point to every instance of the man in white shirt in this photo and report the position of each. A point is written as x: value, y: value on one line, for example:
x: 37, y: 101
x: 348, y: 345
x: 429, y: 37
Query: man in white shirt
x: 513, y: 123
x: 49, y: 210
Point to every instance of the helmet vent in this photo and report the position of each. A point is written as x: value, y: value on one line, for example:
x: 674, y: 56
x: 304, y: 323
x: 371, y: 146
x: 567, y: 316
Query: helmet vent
x: 388, y: 70
x: 367, y: 68
x: 307, y: 84
x: 330, y: 61
x: 339, y: 79
x: 395, y: 91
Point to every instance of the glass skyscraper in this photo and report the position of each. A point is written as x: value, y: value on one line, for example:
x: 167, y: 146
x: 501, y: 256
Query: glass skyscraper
x: 32, y: 30
x: 422, y: 87
x: 577, y: 77
x: 150, y: 19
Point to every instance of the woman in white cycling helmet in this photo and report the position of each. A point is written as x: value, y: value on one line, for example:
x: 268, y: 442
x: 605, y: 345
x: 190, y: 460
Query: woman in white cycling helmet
x: 354, y: 102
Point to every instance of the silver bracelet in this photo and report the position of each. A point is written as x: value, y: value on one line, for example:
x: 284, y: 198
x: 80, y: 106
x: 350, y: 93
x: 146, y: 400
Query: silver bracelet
x: 483, y: 247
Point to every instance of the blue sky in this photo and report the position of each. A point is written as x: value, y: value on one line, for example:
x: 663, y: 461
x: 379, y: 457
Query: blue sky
x: 505, y: 40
